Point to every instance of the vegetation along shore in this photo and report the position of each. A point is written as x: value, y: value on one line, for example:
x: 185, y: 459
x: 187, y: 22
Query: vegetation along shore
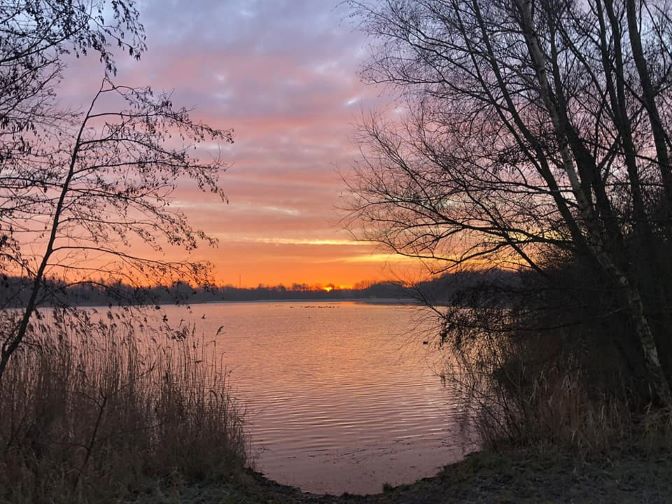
x: 518, y: 163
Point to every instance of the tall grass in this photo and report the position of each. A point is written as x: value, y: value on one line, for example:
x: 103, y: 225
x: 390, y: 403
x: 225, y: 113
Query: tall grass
x: 96, y: 419
x: 538, y: 388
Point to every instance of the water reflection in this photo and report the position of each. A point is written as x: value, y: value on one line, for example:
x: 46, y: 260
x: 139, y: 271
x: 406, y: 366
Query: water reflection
x: 340, y: 397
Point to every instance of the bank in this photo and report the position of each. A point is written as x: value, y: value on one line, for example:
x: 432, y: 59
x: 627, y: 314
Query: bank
x: 636, y: 474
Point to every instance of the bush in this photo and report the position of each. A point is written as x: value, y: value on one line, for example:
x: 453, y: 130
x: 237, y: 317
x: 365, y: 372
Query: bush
x: 551, y: 360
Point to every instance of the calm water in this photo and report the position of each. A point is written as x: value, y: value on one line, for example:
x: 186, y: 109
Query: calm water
x: 340, y: 397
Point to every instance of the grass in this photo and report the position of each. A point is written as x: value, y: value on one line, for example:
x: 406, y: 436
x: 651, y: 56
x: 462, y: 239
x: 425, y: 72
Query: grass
x: 97, y: 419
x: 537, y: 389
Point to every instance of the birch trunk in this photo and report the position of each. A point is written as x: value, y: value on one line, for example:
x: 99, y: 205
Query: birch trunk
x: 596, y: 239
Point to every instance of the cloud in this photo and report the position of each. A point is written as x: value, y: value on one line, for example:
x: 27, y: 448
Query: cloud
x: 284, y: 75
x: 378, y: 258
x: 320, y: 242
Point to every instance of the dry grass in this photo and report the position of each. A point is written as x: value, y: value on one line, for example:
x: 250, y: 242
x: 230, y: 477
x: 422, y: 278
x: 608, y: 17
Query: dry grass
x: 99, y: 420
x: 527, y: 389
x: 554, y: 409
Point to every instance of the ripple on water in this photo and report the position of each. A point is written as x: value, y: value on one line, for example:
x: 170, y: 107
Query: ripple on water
x: 338, y: 400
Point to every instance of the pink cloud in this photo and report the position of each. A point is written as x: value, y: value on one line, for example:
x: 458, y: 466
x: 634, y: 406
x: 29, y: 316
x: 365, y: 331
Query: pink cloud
x: 284, y: 75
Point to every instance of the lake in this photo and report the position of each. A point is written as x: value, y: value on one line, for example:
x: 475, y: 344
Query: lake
x: 339, y: 396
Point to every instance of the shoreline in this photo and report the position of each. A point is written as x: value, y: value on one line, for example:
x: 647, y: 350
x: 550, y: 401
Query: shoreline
x: 362, y: 300
x: 514, y: 475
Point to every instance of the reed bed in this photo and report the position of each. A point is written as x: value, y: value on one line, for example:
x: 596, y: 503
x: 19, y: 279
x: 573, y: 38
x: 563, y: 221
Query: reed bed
x: 543, y: 389
x: 101, y: 418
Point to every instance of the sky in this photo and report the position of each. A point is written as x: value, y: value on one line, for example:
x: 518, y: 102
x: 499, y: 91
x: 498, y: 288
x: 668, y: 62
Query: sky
x: 284, y: 75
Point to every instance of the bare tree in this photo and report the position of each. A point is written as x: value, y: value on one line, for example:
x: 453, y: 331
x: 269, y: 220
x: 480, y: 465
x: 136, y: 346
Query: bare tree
x: 35, y: 35
x: 103, y: 185
x: 34, y: 38
x: 535, y: 127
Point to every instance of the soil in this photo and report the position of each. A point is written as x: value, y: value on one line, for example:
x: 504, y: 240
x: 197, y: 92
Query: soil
x: 510, y: 476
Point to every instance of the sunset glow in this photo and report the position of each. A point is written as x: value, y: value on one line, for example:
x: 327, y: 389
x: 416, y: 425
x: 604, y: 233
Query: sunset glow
x: 285, y: 76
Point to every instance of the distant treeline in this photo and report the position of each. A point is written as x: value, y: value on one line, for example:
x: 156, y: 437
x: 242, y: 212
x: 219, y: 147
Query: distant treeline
x: 449, y: 289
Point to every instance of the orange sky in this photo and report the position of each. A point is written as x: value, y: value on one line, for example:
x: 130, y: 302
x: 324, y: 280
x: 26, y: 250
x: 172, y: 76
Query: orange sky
x: 284, y: 75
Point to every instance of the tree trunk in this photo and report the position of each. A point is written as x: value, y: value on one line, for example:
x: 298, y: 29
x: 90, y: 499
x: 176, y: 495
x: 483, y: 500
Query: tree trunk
x: 13, y: 342
x: 649, y: 98
x: 596, y: 239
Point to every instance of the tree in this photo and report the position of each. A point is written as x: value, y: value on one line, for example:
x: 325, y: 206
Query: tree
x: 105, y: 181
x: 35, y: 35
x: 34, y: 38
x: 536, y: 128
